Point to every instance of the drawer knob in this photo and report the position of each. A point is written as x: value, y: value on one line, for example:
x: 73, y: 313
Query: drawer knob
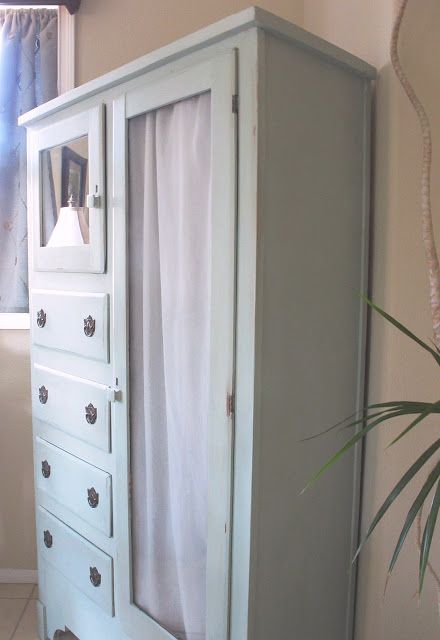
x: 41, y: 318
x: 48, y: 540
x: 89, y: 326
x: 91, y: 413
x: 95, y: 576
x: 45, y: 469
x: 43, y: 394
x: 93, y: 497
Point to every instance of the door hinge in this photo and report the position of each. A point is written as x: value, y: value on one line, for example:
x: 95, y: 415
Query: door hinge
x: 230, y: 404
x: 235, y: 103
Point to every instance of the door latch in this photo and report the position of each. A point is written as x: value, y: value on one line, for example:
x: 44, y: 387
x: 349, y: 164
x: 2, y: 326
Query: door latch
x: 113, y: 394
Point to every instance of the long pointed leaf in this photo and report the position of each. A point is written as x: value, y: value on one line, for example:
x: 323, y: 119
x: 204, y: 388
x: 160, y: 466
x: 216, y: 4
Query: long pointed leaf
x: 410, y: 406
x: 410, y: 473
x: 351, y: 424
x: 428, y: 411
x: 398, y: 403
x: 415, y: 508
x: 403, y: 411
x: 348, y: 445
x: 427, y: 536
x: 403, y: 329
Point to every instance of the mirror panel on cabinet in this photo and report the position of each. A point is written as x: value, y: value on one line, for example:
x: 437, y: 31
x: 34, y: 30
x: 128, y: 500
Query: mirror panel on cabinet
x: 69, y: 208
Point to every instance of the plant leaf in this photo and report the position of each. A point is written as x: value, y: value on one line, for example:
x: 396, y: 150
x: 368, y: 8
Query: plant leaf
x: 351, y: 424
x: 410, y: 473
x: 415, y: 508
x: 427, y: 536
x: 429, y: 409
x: 398, y: 403
x: 403, y: 329
x: 411, y: 406
x: 348, y: 445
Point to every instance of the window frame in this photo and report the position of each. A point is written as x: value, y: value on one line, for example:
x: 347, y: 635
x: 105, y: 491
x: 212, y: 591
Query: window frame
x: 66, y: 81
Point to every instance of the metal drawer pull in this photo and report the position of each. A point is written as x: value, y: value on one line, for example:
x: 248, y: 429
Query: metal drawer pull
x: 91, y: 413
x: 45, y: 469
x: 89, y: 326
x: 93, y: 497
x: 41, y: 318
x: 43, y: 394
x: 48, y: 539
x: 95, y: 576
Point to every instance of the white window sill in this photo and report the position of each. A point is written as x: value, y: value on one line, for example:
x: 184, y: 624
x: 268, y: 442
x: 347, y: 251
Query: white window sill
x: 14, y: 321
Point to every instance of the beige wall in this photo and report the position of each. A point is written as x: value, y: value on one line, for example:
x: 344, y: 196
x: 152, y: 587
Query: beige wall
x: 110, y: 33
x: 17, y: 536
x: 359, y: 26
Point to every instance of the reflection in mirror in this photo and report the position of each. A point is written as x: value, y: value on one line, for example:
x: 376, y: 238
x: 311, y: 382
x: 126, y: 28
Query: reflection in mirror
x: 64, y: 179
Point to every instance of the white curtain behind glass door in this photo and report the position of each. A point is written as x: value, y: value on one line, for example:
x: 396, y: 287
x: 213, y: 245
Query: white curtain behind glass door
x: 170, y: 276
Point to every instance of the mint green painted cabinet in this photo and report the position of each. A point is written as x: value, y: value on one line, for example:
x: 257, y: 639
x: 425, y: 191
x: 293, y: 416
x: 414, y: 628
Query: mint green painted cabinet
x: 192, y: 322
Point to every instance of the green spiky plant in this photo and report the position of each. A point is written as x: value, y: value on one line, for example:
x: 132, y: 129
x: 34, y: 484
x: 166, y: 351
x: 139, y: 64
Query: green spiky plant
x: 376, y: 415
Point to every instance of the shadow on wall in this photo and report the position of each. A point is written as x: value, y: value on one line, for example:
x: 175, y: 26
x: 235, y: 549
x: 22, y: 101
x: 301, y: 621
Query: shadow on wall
x: 17, y: 536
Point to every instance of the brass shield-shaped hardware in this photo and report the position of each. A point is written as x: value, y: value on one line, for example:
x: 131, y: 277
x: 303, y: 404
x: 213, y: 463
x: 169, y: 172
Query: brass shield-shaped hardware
x: 45, y: 469
x: 93, y: 497
x: 91, y: 413
x: 48, y: 540
x: 89, y: 326
x: 41, y: 318
x: 95, y: 576
x: 43, y: 394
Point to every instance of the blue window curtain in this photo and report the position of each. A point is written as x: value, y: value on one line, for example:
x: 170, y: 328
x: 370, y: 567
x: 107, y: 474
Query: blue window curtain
x: 28, y: 77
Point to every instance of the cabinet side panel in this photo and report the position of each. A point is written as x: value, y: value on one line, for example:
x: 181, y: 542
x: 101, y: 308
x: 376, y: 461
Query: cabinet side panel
x: 312, y: 245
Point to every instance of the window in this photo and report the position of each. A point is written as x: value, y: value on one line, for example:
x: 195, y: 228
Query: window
x: 26, y: 82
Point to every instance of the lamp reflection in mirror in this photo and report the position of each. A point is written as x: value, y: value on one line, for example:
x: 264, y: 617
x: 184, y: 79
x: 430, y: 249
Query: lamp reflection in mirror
x: 71, y: 229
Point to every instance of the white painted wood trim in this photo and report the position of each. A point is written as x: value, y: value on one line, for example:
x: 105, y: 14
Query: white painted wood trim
x: 66, y: 51
x: 14, y: 321
x: 242, y: 21
x: 88, y: 257
x: 18, y: 576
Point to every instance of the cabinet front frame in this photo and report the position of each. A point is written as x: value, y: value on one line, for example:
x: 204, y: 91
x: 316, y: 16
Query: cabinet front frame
x: 89, y: 258
x: 218, y: 76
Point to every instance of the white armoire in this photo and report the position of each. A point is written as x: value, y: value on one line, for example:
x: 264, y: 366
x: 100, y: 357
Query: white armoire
x: 198, y: 240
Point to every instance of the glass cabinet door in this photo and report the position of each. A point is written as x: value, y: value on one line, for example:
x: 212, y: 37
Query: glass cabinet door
x: 180, y: 297
x: 170, y: 242
x: 69, y: 229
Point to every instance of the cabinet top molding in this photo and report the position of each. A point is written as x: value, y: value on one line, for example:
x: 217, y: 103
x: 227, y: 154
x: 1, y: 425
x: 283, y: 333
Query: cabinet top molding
x: 253, y: 17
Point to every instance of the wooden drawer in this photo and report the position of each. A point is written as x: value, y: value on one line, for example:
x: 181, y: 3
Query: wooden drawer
x: 80, y: 487
x: 73, y: 322
x: 83, y: 564
x: 79, y: 407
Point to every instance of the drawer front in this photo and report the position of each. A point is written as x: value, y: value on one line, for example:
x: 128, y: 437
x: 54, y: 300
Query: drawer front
x: 83, y: 564
x: 73, y: 322
x: 74, y: 405
x: 80, y: 487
